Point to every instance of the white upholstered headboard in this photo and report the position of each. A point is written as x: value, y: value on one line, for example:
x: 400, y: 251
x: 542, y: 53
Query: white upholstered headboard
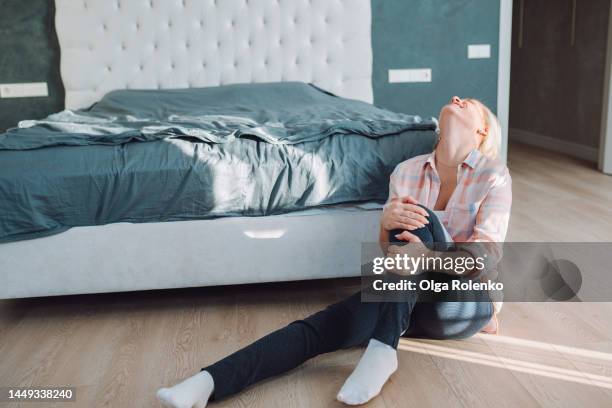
x: 145, y: 44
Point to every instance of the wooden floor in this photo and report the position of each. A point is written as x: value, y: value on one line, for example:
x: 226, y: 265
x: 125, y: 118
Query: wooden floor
x: 117, y: 349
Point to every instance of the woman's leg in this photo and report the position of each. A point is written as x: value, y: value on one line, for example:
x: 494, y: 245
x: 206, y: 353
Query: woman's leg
x: 341, y: 325
x: 344, y: 324
x: 448, y: 320
x: 379, y: 360
x: 443, y: 319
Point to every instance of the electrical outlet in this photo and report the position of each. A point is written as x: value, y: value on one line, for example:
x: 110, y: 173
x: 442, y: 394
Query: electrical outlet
x: 23, y: 90
x: 478, y: 51
x: 410, y: 75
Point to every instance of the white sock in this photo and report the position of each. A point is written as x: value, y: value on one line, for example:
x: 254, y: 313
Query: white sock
x: 375, y: 367
x: 192, y: 392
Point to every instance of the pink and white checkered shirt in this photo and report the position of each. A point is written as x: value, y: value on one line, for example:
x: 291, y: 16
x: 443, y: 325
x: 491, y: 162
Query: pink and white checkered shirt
x: 477, y: 211
x: 479, y: 208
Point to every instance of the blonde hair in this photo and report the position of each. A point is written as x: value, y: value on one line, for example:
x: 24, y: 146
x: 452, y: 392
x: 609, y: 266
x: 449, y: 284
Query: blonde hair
x: 491, y: 143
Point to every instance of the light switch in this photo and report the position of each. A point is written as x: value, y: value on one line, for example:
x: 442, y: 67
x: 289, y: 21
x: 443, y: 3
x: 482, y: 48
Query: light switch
x: 410, y: 75
x: 477, y: 51
x: 23, y: 90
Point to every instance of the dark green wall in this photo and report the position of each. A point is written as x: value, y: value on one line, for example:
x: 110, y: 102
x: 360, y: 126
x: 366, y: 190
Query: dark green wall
x: 434, y: 34
x: 405, y: 34
x: 29, y: 52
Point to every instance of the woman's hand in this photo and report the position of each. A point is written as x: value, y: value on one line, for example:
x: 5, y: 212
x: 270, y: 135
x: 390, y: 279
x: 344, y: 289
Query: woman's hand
x: 408, y: 237
x: 414, y: 249
x: 403, y: 213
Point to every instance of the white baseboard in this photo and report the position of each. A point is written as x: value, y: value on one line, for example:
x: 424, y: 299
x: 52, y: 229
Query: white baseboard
x: 550, y: 143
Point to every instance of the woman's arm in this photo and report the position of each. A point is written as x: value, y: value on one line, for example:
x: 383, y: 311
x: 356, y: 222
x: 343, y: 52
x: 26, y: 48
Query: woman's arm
x: 492, y: 221
x: 399, y: 212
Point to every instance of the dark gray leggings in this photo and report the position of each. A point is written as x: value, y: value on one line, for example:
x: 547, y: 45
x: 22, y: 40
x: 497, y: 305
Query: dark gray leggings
x: 349, y: 323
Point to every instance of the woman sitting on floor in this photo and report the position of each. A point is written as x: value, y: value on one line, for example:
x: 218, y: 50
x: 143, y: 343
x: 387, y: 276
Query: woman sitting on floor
x: 459, y: 193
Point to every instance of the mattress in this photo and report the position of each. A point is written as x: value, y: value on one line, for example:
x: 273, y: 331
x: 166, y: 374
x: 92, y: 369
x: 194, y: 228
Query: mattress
x: 240, y: 150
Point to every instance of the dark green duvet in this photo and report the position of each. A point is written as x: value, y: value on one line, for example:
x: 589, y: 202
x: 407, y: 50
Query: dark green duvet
x: 145, y: 156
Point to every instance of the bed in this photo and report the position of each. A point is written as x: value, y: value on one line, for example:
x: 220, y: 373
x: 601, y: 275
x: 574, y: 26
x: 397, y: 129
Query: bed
x: 271, y: 170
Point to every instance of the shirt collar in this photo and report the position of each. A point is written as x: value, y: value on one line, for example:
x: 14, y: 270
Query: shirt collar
x: 471, y: 160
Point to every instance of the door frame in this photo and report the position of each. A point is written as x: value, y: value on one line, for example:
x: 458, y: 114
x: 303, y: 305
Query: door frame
x: 605, y: 141
x: 503, y: 71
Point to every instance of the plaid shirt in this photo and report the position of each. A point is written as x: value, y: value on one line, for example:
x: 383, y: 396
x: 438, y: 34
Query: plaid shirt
x: 479, y: 208
x: 477, y: 211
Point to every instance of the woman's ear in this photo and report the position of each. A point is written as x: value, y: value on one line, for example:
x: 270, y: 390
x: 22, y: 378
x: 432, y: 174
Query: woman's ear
x: 483, y: 135
x: 483, y: 132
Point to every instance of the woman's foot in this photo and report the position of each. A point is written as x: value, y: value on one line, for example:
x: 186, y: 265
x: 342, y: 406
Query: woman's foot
x: 493, y: 326
x: 377, y: 364
x: 193, y: 392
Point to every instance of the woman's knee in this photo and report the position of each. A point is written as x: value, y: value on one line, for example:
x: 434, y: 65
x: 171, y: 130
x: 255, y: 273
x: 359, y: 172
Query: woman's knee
x: 426, y: 234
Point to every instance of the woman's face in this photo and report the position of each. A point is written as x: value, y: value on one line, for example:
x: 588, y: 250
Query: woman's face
x: 466, y: 116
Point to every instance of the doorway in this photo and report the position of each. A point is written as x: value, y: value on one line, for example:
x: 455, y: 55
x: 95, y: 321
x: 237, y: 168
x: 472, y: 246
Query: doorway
x: 559, y: 77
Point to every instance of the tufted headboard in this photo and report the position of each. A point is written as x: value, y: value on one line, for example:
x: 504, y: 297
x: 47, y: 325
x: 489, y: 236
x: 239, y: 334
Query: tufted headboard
x: 145, y: 44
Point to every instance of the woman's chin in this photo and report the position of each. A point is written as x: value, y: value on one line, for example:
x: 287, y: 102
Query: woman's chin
x: 448, y: 112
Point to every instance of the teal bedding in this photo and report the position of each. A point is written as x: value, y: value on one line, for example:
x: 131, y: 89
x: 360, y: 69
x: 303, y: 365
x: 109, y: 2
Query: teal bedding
x: 149, y: 156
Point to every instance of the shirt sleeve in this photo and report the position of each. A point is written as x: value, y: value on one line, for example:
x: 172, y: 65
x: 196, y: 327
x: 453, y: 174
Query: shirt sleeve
x: 393, y: 186
x: 492, y: 222
x: 494, y: 213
